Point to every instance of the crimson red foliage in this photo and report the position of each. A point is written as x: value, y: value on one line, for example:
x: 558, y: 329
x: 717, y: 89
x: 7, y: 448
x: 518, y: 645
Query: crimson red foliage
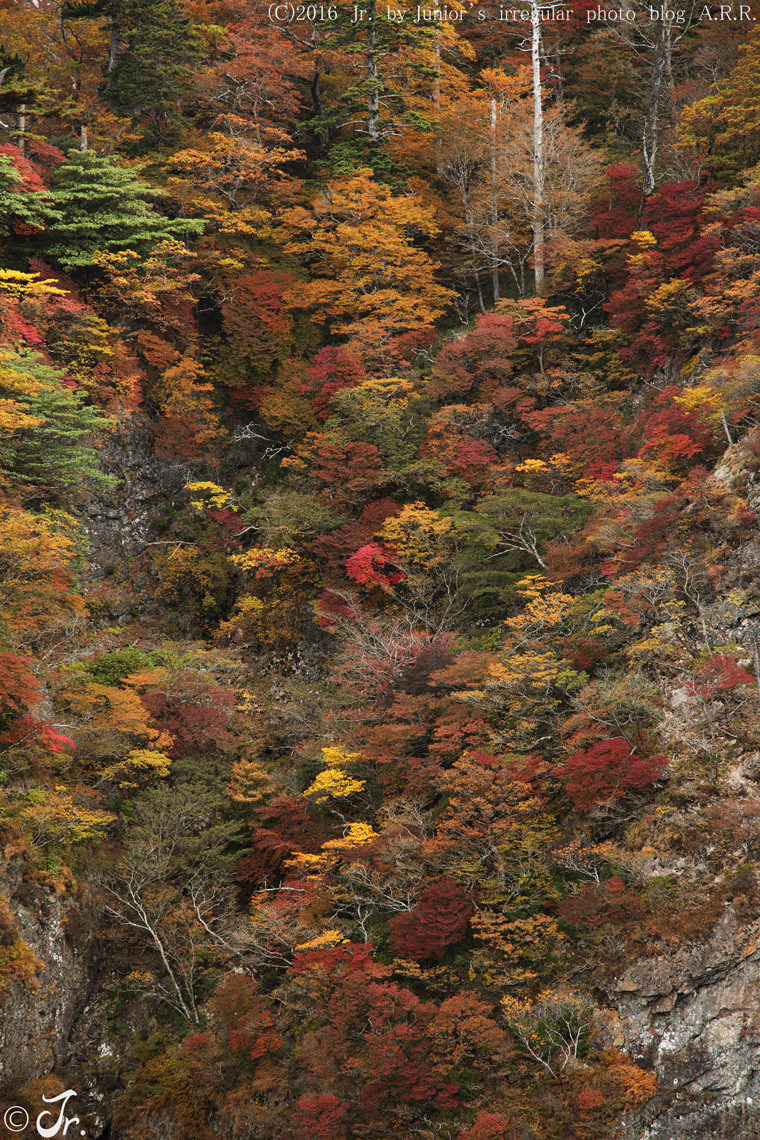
x: 55, y: 741
x: 371, y: 1028
x: 343, y: 959
x: 17, y: 330
x: 334, y: 548
x: 281, y: 828
x: 675, y: 215
x: 718, y: 674
x: 199, y: 715
x: 322, y: 1117
x: 482, y: 359
x: 30, y: 179
x: 472, y: 459
x: 488, y: 1126
x: 329, y: 370
x: 256, y: 320
x: 19, y: 688
x: 375, y: 565
x: 616, y: 215
x: 596, y: 903
x: 673, y: 433
x: 606, y: 770
x: 648, y: 537
x: 344, y: 472
x: 440, y: 919
x: 595, y: 437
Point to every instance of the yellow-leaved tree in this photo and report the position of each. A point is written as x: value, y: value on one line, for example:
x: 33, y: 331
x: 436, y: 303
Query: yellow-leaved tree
x: 367, y: 275
x: 38, y: 559
x: 336, y: 780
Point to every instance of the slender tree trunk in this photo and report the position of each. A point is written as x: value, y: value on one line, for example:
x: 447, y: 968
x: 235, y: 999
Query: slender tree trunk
x: 494, y: 206
x: 316, y: 98
x: 475, y: 272
x: 481, y: 303
x: 113, y: 52
x: 373, y: 100
x: 84, y: 141
x: 757, y: 664
x: 660, y: 69
x: 538, y: 150
x: 22, y: 128
x: 437, y: 101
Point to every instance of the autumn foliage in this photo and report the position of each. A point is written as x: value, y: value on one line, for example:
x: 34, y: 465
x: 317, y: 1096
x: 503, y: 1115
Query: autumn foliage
x: 379, y: 640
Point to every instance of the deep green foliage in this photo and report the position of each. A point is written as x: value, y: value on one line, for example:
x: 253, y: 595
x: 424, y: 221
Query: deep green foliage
x: 102, y: 206
x: 57, y: 454
x: 154, y: 67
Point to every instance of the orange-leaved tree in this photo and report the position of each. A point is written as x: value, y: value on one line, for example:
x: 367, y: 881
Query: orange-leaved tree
x: 366, y: 272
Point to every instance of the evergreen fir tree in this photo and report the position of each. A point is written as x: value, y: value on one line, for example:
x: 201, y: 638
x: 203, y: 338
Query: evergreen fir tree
x: 152, y: 70
x: 22, y: 209
x: 45, y: 427
x: 105, y: 207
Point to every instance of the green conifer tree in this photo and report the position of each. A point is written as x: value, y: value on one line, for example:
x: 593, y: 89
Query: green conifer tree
x: 47, y: 428
x: 153, y: 68
x: 105, y: 207
x: 21, y: 208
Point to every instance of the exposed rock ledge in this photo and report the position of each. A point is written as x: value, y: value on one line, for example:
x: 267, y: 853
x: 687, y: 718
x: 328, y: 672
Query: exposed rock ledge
x: 36, y: 1020
x: 695, y: 1017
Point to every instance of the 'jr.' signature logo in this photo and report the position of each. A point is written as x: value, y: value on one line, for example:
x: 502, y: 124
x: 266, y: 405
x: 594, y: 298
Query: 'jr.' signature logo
x: 16, y: 1118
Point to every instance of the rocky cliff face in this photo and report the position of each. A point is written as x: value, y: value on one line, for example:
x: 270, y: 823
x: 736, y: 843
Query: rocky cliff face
x: 694, y: 1015
x: 37, y: 1017
x: 62, y: 1020
x: 71, y: 1019
x: 695, y: 1018
x: 74, y: 1018
x: 118, y: 519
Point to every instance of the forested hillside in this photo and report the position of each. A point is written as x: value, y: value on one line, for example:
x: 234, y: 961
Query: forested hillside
x: 380, y: 570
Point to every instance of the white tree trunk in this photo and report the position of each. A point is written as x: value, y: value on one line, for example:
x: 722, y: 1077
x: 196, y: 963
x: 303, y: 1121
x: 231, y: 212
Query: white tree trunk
x: 22, y: 128
x: 657, y: 88
x: 495, y: 206
x: 437, y: 101
x: 538, y: 150
x: 373, y: 100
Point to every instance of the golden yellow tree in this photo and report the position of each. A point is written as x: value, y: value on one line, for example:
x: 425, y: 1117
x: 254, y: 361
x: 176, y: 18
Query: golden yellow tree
x: 365, y: 268
x: 38, y: 557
